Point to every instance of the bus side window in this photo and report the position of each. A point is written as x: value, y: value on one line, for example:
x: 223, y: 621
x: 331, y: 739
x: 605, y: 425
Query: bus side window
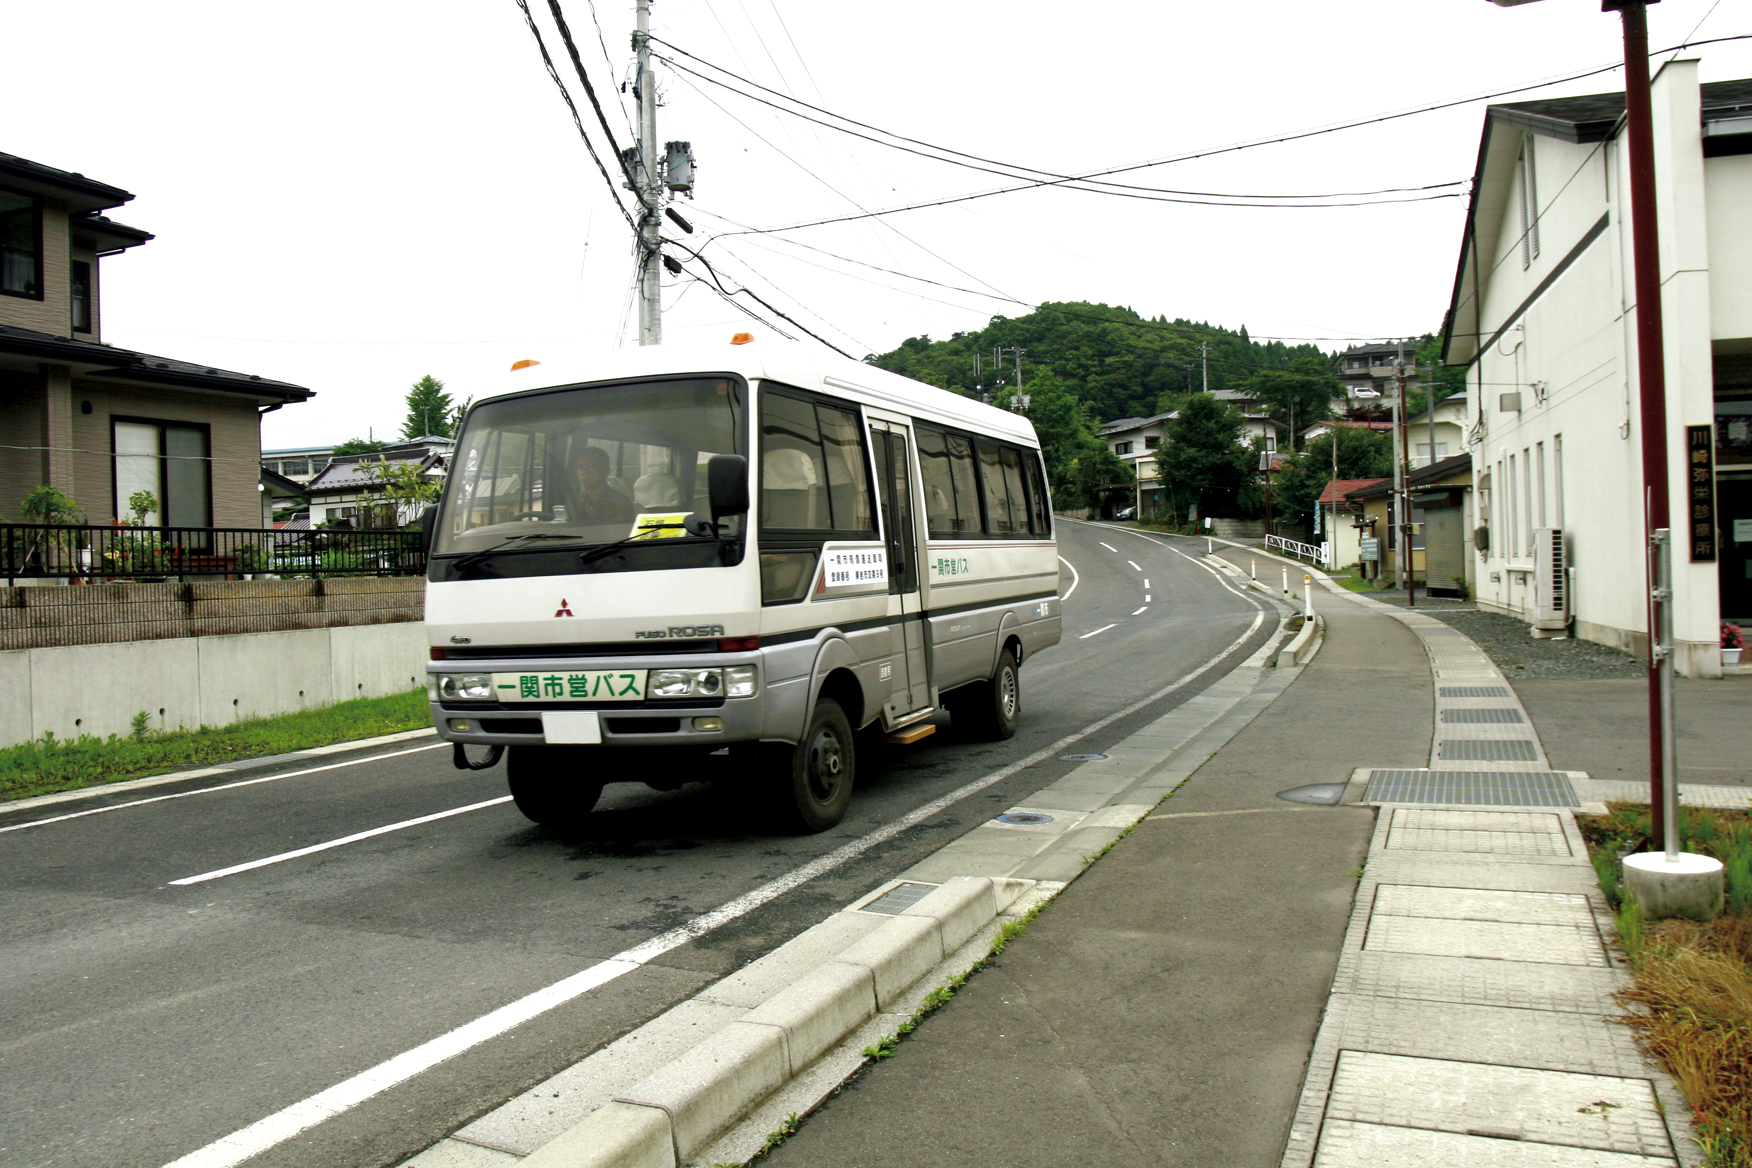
x: 1012, y: 460
x: 938, y: 483
x: 999, y: 519
x: 1040, y: 503
x: 793, y: 482
x: 848, y: 478
x: 967, y: 518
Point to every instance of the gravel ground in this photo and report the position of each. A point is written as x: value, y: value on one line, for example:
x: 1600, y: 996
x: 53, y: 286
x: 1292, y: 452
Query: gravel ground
x: 1519, y: 656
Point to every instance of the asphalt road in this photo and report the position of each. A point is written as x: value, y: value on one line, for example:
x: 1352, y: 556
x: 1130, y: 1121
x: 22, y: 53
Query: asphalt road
x: 143, y: 1020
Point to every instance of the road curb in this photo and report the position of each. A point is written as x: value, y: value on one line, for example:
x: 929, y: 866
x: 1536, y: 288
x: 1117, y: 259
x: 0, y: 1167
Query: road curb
x: 1305, y: 644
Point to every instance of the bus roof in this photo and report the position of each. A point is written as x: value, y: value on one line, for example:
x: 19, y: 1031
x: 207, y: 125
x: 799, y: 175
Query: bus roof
x: 791, y: 363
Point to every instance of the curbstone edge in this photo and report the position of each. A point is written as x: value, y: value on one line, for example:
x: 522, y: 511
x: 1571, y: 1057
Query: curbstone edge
x: 616, y: 1135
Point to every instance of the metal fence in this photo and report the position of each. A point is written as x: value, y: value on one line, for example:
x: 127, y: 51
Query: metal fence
x: 1315, y: 553
x: 93, y: 553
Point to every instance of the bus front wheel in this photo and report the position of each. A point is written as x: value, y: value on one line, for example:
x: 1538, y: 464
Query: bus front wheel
x: 813, y: 783
x: 549, y: 786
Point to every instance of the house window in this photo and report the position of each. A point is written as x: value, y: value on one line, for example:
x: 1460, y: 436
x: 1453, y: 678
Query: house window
x: 1423, y: 451
x: 1271, y: 443
x: 1122, y: 447
x: 171, y: 461
x: 1152, y: 443
x: 81, y: 296
x: 21, y: 245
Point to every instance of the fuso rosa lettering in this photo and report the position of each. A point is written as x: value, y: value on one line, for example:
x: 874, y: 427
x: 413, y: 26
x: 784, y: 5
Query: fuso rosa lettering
x: 685, y: 632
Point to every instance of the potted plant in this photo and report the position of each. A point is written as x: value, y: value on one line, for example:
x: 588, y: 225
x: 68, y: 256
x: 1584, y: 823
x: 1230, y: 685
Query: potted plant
x: 1732, y: 643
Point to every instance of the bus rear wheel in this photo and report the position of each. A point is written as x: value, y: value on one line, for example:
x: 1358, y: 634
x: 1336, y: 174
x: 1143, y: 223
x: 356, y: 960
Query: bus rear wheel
x: 813, y: 783
x: 550, y: 784
x: 990, y: 709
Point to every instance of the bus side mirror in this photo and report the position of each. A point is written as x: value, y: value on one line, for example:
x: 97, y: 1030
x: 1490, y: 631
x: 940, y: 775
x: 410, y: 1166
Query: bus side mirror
x: 428, y: 525
x: 727, y: 485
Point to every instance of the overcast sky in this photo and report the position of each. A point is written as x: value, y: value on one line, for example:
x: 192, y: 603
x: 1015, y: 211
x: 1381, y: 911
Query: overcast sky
x: 351, y: 195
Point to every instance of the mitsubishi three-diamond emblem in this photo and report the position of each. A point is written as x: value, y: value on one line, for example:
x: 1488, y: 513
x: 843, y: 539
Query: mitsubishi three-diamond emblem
x: 565, y: 608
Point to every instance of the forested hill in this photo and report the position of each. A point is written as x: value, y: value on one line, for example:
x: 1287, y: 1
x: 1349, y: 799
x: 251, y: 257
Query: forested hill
x: 1119, y: 364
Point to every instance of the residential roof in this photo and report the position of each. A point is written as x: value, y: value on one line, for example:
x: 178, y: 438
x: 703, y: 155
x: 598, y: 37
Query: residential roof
x: 1422, y: 476
x: 281, y: 487
x: 352, y: 472
x: 1382, y: 427
x: 95, y: 360
x: 1337, y: 489
x: 1119, y: 424
x: 106, y: 235
x: 1592, y: 117
x: 1380, y: 347
x: 81, y: 194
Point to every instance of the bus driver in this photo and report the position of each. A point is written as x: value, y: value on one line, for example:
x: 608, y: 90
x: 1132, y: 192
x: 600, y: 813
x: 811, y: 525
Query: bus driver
x: 596, y: 500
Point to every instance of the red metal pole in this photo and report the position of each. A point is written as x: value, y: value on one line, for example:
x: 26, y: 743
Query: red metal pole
x: 1651, y: 354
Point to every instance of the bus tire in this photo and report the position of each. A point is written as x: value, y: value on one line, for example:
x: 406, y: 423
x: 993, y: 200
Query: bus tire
x: 547, y: 785
x: 813, y: 783
x: 991, y: 709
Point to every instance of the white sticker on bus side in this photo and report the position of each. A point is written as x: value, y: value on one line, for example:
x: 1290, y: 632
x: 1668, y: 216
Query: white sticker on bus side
x: 862, y: 566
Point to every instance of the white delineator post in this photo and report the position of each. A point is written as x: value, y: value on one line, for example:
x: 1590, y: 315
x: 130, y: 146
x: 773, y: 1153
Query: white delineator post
x: 1253, y: 569
x: 1308, y: 597
x: 1286, y: 581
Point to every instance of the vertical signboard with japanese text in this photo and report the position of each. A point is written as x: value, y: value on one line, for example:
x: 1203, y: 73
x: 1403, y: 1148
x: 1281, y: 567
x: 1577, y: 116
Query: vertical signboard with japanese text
x: 1700, y: 492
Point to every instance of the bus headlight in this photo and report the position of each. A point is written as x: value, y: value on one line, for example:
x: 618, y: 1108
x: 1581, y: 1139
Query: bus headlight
x: 685, y: 683
x: 739, y: 681
x: 459, y: 687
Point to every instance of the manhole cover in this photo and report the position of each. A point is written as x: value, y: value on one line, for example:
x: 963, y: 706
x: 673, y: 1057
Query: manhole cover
x: 1082, y: 757
x: 1326, y: 794
x: 1024, y: 817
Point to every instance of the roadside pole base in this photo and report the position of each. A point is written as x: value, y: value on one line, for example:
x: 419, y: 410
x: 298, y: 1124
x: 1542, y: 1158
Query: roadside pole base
x: 1690, y: 887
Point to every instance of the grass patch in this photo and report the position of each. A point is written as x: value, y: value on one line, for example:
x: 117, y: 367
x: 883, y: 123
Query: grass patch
x: 1693, y: 985
x: 51, y: 764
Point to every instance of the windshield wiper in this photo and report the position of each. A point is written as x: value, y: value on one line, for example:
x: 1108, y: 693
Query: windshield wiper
x: 462, y: 563
x: 699, y: 529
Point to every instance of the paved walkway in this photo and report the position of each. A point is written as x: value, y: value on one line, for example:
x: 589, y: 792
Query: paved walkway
x: 1221, y: 989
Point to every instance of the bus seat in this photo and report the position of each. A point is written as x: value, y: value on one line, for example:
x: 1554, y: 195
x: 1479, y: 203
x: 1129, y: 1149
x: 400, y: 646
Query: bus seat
x: 791, y: 492
x: 656, y: 491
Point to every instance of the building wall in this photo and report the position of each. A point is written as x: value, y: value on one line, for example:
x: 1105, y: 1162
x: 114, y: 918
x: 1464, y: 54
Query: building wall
x: 1576, y: 456
x: 235, y: 444
x: 87, y: 255
x: 22, y: 421
x: 53, y: 313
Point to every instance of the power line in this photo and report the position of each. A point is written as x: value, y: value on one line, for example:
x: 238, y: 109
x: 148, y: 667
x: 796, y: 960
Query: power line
x: 590, y: 92
x: 757, y: 298
x: 577, y: 120
x: 609, y: 61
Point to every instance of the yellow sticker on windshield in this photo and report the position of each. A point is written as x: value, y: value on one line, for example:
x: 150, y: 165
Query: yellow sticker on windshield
x: 659, y: 525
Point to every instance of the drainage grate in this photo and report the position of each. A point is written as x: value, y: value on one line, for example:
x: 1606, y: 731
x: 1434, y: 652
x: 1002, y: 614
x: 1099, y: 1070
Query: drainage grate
x: 1499, y: 716
x: 1495, y: 788
x: 1024, y: 817
x: 1488, y: 750
x: 1474, y: 691
x: 900, y: 898
x: 1082, y: 757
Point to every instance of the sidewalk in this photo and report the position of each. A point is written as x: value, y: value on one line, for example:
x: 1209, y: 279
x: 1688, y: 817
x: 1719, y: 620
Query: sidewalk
x: 1221, y: 988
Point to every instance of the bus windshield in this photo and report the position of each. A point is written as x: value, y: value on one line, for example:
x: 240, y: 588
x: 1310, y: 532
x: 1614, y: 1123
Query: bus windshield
x: 589, y: 466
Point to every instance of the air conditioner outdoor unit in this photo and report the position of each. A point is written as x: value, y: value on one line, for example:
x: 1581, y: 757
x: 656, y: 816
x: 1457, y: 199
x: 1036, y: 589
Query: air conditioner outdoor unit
x: 1550, y: 579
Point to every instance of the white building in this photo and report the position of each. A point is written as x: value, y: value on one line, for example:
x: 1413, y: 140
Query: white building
x: 1544, y: 316
x: 1452, y: 416
x: 1135, y: 442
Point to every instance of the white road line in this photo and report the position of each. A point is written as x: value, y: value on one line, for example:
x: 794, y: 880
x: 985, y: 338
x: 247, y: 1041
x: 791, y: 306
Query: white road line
x: 1109, y: 547
x: 335, y: 843
x: 1102, y: 629
x: 1146, y: 608
x: 221, y: 787
x: 1075, y: 579
x: 1146, y: 581
x: 1146, y: 598
x: 281, y: 1126
x: 1134, y: 564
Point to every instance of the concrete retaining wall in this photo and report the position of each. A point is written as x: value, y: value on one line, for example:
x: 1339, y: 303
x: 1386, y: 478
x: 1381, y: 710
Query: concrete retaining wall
x: 185, y: 682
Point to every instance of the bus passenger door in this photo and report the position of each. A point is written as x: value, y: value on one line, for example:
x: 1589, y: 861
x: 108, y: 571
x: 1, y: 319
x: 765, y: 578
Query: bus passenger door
x: 912, y: 683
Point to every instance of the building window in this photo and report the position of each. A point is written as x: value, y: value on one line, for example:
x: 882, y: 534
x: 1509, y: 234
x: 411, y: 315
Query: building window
x: 21, y: 245
x: 1423, y: 451
x: 171, y: 461
x: 1122, y: 447
x: 1271, y: 444
x: 1152, y: 443
x: 81, y: 296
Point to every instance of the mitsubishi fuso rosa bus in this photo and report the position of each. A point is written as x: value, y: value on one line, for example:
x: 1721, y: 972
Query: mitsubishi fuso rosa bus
x: 667, y: 553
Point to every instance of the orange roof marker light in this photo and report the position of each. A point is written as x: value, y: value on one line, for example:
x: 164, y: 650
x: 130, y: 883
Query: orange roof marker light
x: 523, y: 364
x: 742, y: 339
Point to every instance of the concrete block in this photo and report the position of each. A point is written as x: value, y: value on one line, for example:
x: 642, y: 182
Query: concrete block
x: 1690, y: 886
x: 823, y: 1007
x: 97, y: 689
x: 1344, y: 1144
x: 372, y: 661
x: 261, y: 674
x: 897, y: 955
x: 540, y: 1114
x: 960, y: 907
x: 15, y: 726
x: 759, y: 980
x: 714, y: 1084
x: 620, y: 1135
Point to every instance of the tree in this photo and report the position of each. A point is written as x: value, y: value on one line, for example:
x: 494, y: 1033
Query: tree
x: 359, y: 446
x: 1301, y: 391
x: 430, y: 410
x: 1450, y: 379
x: 1078, y: 462
x: 1362, y: 454
x: 407, y: 490
x: 1202, y: 459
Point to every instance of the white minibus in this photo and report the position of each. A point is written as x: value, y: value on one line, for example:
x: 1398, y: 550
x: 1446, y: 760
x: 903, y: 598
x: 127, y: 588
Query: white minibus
x: 670, y: 552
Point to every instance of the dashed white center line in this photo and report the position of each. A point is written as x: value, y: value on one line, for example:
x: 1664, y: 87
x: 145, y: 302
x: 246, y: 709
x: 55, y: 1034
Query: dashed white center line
x: 1109, y: 547
x: 1134, y: 564
x: 1146, y: 581
x: 1146, y: 598
x: 1102, y: 629
x: 1146, y: 608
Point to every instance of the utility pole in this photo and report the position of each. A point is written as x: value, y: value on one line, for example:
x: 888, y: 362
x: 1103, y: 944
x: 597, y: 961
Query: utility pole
x: 1396, y: 408
x: 1204, y: 348
x: 1403, y: 561
x: 650, y: 187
